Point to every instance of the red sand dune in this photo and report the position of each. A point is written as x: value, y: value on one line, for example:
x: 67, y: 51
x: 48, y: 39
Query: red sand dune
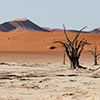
x: 38, y: 41
x: 33, y: 46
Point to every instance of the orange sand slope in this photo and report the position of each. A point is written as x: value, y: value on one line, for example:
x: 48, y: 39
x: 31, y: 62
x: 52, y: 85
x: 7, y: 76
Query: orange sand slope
x: 38, y: 41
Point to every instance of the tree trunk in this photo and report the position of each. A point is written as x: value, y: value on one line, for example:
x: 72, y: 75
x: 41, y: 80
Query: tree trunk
x: 74, y: 64
x: 95, y: 61
x: 64, y: 58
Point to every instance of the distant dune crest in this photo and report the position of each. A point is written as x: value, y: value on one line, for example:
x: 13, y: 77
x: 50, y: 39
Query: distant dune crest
x: 97, y: 30
x: 25, y: 25
x: 21, y: 25
x: 23, y: 19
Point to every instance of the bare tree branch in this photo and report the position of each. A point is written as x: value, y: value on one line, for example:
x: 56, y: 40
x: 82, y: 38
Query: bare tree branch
x: 79, y: 46
x: 81, y: 50
x: 93, y: 52
x: 66, y: 34
x: 77, y: 35
x: 73, y: 48
x: 66, y: 48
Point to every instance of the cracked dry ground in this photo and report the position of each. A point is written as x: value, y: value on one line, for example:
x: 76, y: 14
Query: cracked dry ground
x: 47, y: 82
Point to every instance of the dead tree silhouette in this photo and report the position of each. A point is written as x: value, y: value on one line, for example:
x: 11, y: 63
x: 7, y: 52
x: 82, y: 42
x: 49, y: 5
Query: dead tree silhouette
x: 73, y: 48
x: 94, y: 53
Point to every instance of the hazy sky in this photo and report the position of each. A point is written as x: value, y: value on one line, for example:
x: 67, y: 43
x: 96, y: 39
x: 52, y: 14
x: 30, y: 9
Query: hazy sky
x: 75, y: 14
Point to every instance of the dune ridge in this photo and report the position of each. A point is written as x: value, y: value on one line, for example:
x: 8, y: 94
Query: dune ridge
x: 21, y: 25
x: 25, y: 25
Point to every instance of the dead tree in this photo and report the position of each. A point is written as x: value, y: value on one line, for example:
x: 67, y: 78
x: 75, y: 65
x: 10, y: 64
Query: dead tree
x: 94, y: 53
x: 73, y: 48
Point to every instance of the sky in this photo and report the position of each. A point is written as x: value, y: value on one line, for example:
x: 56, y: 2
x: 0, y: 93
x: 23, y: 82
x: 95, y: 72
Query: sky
x: 75, y: 14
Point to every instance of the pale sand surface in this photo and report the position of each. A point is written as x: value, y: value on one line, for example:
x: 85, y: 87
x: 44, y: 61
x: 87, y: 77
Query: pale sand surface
x: 34, y: 81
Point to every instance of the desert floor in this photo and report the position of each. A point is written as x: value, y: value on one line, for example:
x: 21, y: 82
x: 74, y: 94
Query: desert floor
x: 30, y: 71
x: 35, y: 76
